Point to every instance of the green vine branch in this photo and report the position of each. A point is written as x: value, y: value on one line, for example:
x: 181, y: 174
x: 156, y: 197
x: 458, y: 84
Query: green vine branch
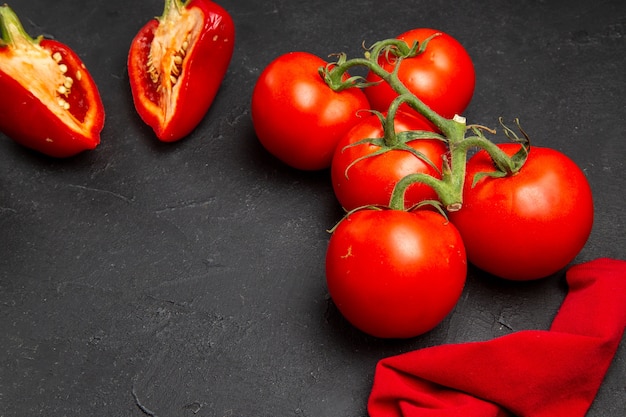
x: 459, y: 136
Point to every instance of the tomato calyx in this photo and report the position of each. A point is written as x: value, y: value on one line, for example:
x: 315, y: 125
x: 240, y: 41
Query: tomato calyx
x: 432, y: 204
x: 391, y: 49
x: 393, y: 140
x: 505, y: 165
x: 348, y: 213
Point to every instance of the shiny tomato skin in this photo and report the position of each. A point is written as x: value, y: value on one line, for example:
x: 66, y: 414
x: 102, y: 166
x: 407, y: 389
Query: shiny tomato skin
x: 529, y: 225
x: 443, y: 77
x: 393, y: 273
x: 371, y: 181
x: 297, y: 117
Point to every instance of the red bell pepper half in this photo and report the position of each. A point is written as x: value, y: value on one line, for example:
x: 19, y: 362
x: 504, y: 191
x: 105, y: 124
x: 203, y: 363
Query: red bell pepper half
x: 176, y: 65
x: 49, y: 101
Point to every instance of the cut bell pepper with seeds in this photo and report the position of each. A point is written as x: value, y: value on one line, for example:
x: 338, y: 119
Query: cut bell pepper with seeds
x: 49, y: 101
x: 176, y: 65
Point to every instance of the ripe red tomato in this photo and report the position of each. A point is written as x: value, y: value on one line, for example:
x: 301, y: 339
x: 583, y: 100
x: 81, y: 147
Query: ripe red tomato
x: 393, y: 273
x: 370, y: 181
x: 442, y: 76
x: 297, y: 117
x: 529, y: 225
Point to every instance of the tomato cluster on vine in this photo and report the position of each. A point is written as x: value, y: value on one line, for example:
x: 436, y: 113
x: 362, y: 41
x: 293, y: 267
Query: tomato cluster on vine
x: 418, y: 207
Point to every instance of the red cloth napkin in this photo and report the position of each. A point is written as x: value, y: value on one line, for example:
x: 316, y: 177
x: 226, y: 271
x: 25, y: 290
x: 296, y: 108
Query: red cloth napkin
x: 531, y: 373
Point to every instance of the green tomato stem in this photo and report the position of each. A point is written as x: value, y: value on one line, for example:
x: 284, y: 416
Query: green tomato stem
x: 337, y: 73
x: 391, y: 138
x: 450, y: 187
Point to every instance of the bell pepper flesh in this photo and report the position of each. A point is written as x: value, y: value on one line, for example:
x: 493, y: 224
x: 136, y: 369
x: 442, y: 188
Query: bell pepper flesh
x: 176, y: 64
x: 50, y: 102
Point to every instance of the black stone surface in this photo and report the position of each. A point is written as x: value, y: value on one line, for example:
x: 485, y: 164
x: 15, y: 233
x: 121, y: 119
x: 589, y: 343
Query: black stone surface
x: 187, y: 279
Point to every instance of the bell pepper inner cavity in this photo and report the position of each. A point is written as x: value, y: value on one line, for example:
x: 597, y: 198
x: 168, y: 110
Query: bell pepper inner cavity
x: 173, y: 42
x: 45, y: 73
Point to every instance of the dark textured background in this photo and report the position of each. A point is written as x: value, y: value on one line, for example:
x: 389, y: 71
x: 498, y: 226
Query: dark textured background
x: 188, y: 278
